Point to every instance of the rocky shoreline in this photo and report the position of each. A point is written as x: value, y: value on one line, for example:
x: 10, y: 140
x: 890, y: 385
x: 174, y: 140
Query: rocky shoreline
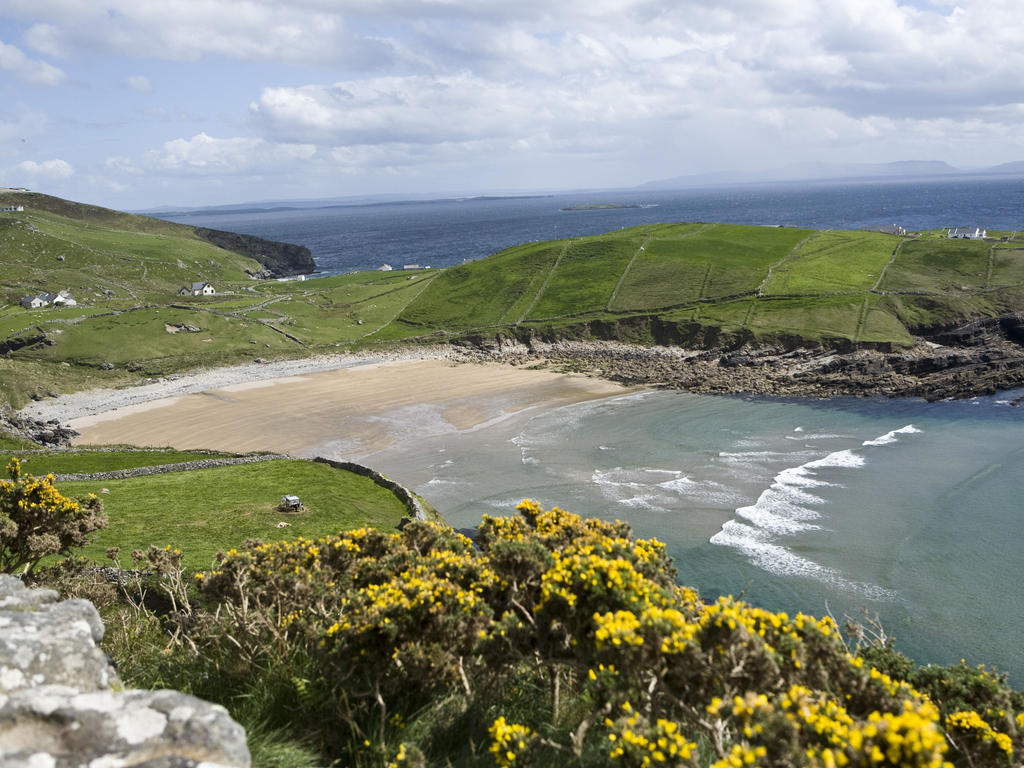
x: 980, y: 359
x: 924, y: 371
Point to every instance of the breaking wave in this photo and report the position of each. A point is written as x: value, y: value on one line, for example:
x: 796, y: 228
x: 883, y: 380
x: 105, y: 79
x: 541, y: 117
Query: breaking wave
x: 789, y: 506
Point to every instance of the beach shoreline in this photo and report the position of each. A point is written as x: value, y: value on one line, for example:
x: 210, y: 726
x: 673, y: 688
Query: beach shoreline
x: 344, y: 407
x: 928, y: 370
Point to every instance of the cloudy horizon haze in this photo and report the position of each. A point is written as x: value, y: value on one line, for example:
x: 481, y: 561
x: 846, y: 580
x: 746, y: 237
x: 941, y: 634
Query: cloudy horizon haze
x: 135, y: 103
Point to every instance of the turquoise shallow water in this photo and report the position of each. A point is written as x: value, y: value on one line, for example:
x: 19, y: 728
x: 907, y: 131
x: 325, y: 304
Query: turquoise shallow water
x: 907, y: 509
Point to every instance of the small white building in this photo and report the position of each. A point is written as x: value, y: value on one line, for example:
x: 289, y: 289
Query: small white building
x: 411, y: 266
x: 966, y: 233
x: 66, y: 299
x: 44, y: 299
x: 197, y: 289
x: 12, y: 209
x: 386, y: 267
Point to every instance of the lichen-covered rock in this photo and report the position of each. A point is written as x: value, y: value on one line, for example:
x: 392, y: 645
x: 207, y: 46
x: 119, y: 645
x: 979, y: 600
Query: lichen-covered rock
x: 58, y: 710
x: 60, y: 727
x: 44, y: 642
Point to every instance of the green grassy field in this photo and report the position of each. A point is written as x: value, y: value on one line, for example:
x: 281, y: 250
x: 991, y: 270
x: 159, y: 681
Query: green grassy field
x: 107, y: 459
x: 202, y: 512
x: 722, y: 282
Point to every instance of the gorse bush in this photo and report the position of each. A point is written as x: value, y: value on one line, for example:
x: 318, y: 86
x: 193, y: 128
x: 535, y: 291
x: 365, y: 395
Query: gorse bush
x: 557, y: 640
x: 37, y: 521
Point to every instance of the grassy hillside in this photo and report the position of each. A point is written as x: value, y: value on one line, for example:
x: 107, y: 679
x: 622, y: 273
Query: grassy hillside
x: 217, y: 508
x: 717, y: 281
x: 672, y: 283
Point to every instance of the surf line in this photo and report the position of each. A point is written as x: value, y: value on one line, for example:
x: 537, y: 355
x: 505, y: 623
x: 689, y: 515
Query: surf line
x: 786, y: 508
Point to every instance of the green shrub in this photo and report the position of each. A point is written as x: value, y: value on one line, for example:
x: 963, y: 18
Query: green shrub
x: 552, y: 639
x: 36, y: 521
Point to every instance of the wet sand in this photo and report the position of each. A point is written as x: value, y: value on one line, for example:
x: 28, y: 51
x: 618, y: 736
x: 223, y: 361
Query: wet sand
x: 347, y: 413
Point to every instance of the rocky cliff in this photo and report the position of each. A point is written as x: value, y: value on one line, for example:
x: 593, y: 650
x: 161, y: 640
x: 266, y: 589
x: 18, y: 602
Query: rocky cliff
x: 979, y: 358
x: 62, y: 706
x: 279, y: 259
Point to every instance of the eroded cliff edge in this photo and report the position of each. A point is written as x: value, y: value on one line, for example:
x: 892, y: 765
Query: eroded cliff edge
x: 279, y: 259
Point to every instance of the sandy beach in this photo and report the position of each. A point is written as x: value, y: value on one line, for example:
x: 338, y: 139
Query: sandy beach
x: 339, y: 412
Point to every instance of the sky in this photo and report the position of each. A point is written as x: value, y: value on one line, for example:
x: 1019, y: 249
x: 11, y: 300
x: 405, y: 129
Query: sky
x: 143, y: 103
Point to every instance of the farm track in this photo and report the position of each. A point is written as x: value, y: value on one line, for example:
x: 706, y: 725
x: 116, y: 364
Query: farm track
x: 791, y: 255
x: 622, y: 277
x: 544, y: 285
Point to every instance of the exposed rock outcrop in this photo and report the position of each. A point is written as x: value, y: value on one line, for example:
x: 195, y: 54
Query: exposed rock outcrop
x: 60, y: 706
x: 279, y: 259
x: 980, y: 358
x: 46, y: 433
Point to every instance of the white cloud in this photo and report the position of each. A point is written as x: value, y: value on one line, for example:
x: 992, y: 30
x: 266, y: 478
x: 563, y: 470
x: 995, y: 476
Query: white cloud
x: 395, y: 109
x: 47, y: 170
x: 12, y: 59
x: 575, y: 92
x: 205, y: 155
x: 139, y: 83
x: 252, y: 30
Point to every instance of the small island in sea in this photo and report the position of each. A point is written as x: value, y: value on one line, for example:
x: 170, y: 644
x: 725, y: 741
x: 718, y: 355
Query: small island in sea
x: 604, y: 206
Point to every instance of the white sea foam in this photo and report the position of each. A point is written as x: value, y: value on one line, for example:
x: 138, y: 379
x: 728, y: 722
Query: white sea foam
x: 771, y: 557
x: 645, y: 487
x: 646, y: 501
x: 845, y: 459
x: 523, y: 443
x: 892, y: 437
x: 816, y: 436
x: 785, y: 508
x: 704, y: 493
x: 617, y: 478
x: 748, y: 457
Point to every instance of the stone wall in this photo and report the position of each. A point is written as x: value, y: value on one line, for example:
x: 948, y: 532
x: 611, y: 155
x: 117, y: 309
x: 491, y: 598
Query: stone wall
x: 62, y: 705
x: 401, y: 492
x: 160, y: 469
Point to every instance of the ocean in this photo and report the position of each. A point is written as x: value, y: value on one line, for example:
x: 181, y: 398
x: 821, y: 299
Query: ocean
x: 906, y: 510
x: 445, y: 233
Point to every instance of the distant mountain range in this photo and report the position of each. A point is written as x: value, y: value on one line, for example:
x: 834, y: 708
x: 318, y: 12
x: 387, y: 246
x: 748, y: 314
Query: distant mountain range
x: 902, y: 169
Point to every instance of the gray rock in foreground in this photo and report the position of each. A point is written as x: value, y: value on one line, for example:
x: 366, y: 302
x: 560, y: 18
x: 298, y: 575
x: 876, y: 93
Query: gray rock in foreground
x: 58, y: 708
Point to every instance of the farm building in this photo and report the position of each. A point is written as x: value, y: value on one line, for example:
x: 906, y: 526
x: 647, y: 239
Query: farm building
x: 967, y: 233
x: 63, y: 298
x: 197, y: 289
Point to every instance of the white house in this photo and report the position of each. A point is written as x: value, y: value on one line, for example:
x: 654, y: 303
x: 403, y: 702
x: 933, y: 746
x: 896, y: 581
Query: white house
x: 12, y: 209
x: 65, y: 298
x: 197, y: 289
x: 44, y: 299
x: 966, y: 233
x: 386, y: 267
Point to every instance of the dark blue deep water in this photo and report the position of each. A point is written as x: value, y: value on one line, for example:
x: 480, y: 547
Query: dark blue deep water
x: 443, y: 233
